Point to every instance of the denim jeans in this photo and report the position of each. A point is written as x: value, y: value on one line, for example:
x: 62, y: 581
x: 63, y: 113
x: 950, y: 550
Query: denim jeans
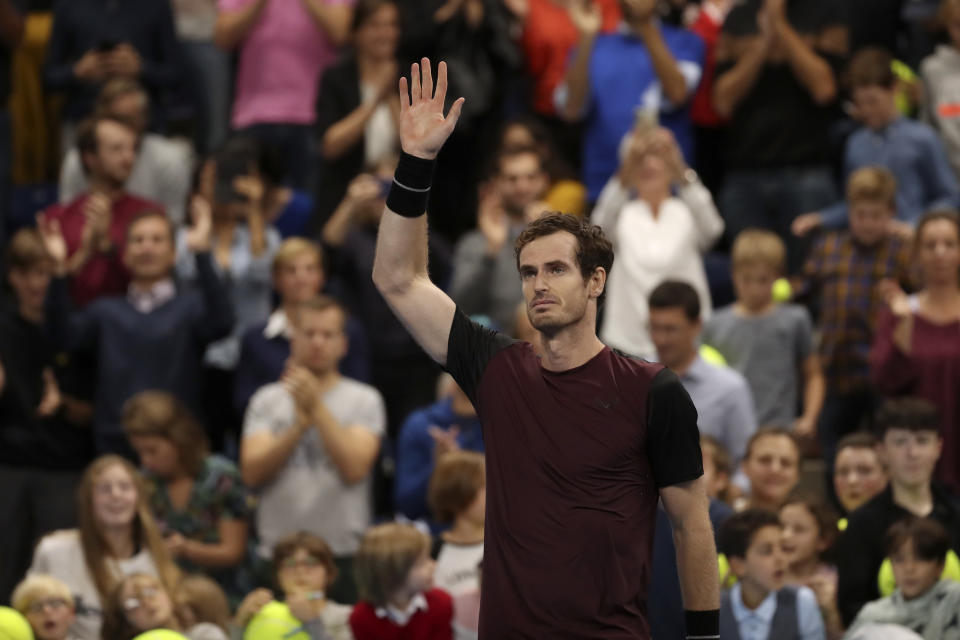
x: 771, y: 198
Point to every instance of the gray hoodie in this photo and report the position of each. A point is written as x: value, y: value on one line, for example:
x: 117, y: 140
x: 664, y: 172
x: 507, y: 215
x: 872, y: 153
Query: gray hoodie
x: 941, y: 79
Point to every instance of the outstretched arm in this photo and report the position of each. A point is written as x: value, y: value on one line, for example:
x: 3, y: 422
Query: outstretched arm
x: 400, y: 266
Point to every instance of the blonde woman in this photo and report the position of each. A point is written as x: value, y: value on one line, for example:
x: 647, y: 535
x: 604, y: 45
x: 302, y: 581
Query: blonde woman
x: 117, y: 537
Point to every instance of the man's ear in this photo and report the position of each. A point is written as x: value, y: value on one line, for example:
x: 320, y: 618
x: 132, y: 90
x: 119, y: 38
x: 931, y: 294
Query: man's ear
x: 598, y: 281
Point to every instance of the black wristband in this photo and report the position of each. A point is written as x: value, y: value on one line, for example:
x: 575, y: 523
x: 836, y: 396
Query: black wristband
x: 411, y: 186
x: 703, y: 625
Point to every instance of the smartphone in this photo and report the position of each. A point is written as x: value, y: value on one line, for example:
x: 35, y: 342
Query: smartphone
x: 645, y: 119
x: 229, y: 168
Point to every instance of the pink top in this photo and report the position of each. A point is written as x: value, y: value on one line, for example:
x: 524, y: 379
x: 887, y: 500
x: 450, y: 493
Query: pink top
x: 280, y: 64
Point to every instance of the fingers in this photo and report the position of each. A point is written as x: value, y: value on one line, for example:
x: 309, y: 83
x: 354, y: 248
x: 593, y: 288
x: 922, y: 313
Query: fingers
x: 404, y: 96
x: 427, y: 79
x: 441, y: 94
x: 454, y: 115
x: 415, y: 94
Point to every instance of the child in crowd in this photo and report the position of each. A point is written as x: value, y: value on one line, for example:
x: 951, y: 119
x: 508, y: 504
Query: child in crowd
x: 458, y: 497
x: 809, y: 531
x: 858, y: 472
x: 395, y: 579
x: 770, y: 344
x: 841, y: 276
x: 940, y: 73
x: 140, y: 603
x: 923, y: 601
x: 716, y: 468
x: 759, y: 605
x: 772, y: 467
x: 47, y: 604
x: 304, y: 569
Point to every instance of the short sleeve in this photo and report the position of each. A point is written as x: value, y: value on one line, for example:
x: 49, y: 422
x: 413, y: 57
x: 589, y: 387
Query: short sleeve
x: 673, y: 439
x: 271, y: 410
x: 372, y: 414
x: 235, y: 500
x: 470, y: 348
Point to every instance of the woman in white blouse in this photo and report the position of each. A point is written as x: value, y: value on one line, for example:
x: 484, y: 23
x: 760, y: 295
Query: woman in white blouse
x: 661, y: 219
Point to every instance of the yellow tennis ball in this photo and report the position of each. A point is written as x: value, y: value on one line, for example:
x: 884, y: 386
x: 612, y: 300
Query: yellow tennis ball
x: 160, y: 634
x: 13, y: 626
x: 782, y: 290
x: 712, y: 356
x: 274, y: 621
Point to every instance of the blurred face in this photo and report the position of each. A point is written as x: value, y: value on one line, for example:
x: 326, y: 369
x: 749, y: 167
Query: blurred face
x: 319, y: 341
x: 553, y: 287
x: 517, y: 135
x: 857, y: 476
x: 652, y: 174
x: 30, y: 285
x: 50, y: 617
x: 133, y: 108
x: 302, y: 573
x: 116, y: 154
x: 772, y: 467
x: 714, y: 480
x: 911, y: 455
x: 146, y: 603
x: 299, y: 279
x: 753, y: 284
x: 114, y: 498
x: 157, y: 455
x: 420, y: 577
x: 674, y: 335
x: 149, y: 253
x: 765, y: 566
x: 914, y: 575
x: 379, y: 34
x: 869, y: 222
x: 801, y: 539
x: 938, y: 248
x: 876, y: 106
x: 522, y: 182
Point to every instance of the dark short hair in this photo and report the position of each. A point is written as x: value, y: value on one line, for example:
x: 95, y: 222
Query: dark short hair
x: 736, y: 534
x: 87, y: 139
x: 319, y: 303
x: 507, y: 153
x: 771, y: 431
x: 930, y: 540
x: 150, y: 213
x: 910, y: 414
x: 454, y: 484
x: 363, y: 9
x: 817, y: 507
x: 593, y: 248
x: 871, y: 67
x: 26, y: 250
x: 313, y: 544
x: 949, y: 215
x: 676, y: 293
x: 857, y: 440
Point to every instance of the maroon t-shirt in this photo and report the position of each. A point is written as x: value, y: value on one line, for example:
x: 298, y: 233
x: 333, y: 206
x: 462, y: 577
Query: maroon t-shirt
x: 574, y: 463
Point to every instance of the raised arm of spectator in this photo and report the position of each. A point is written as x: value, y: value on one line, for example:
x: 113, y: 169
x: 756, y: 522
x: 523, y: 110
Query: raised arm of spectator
x: 400, y: 265
x: 11, y: 25
x: 332, y: 19
x: 891, y: 368
x: 748, y: 59
x: 216, y: 319
x: 336, y: 229
x: 811, y: 69
x: 574, y: 92
x: 266, y: 447
x: 644, y: 23
x: 347, y: 131
x: 708, y: 225
x: 233, y: 26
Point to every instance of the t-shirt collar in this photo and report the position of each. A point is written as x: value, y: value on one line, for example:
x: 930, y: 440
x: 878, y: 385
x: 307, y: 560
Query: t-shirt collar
x: 146, y: 300
x: 277, y: 325
x: 402, y: 617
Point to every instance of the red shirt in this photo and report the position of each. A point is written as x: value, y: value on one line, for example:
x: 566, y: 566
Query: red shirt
x: 433, y: 623
x: 548, y: 38
x: 104, y: 274
x: 707, y: 26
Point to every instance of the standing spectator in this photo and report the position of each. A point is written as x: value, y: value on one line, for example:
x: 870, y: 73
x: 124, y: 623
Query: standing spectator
x: 458, y: 498
x: 198, y: 500
x: 667, y: 62
x: 152, y: 338
x: 11, y: 32
x: 117, y: 537
x: 357, y: 110
x: 41, y: 453
x: 429, y: 433
x: 484, y: 265
x: 771, y: 344
x: 911, y: 150
x: 95, y: 223
x: 298, y: 276
x: 916, y: 349
x: 94, y: 41
x: 777, y: 64
x: 548, y: 37
x: 772, y: 467
x: 842, y: 277
x: 910, y: 446
x: 858, y: 472
x: 284, y: 48
x: 656, y: 235
x: 311, y: 438
x: 941, y: 83
x: 162, y: 169
x: 720, y: 394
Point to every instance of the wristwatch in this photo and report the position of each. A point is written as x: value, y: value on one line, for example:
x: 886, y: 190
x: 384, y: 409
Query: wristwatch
x: 688, y: 177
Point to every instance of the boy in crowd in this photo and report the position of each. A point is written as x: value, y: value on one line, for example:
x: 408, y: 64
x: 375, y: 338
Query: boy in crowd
x: 771, y: 344
x: 47, y: 604
x: 154, y: 337
x: 841, y: 275
x: 858, y: 472
x: 910, y: 445
x: 772, y: 467
x: 759, y: 605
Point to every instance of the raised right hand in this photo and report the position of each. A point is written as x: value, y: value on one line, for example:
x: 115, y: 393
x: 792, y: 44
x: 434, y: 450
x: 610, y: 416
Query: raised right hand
x: 91, y: 67
x: 251, y: 605
x: 805, y: 223
x: 201, y: 217
x: 492, y: 221
x: 895, y: 297
x: 423, y: 129
x: 586, y: 17
x: 53, y: 240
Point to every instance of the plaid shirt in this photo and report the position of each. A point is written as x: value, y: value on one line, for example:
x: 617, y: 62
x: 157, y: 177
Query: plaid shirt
x: 843, y: 275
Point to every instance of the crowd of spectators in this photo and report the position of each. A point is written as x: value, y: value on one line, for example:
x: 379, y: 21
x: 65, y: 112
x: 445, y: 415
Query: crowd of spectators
x: 211, y: 421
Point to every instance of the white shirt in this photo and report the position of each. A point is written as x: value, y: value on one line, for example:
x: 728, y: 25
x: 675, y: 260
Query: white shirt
x: 278, y: 325
x: 146, y: 300
x: 754, y: 624
x: 402, y: 617
x: 456, y: 570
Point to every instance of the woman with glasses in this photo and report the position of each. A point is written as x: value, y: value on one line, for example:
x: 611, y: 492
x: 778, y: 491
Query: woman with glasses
x: 117, y: 537
x: 304, y: 570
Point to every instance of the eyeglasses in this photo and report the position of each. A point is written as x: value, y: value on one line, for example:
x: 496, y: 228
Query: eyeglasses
x: 53, y: 603
x: 132, y: 604
x: 307, y: 563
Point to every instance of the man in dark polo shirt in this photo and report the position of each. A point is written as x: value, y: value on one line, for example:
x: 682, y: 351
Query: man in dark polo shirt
x: 580, y: 440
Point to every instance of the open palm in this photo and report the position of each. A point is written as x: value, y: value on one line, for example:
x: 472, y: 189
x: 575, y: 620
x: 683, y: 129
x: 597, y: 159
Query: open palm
x: 423, y: 128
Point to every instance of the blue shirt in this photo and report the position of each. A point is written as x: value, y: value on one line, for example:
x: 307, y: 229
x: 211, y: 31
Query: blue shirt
x: 622, y: 79
x: 916, y: 157
x: 754, y: 624
x: 415, y: 453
